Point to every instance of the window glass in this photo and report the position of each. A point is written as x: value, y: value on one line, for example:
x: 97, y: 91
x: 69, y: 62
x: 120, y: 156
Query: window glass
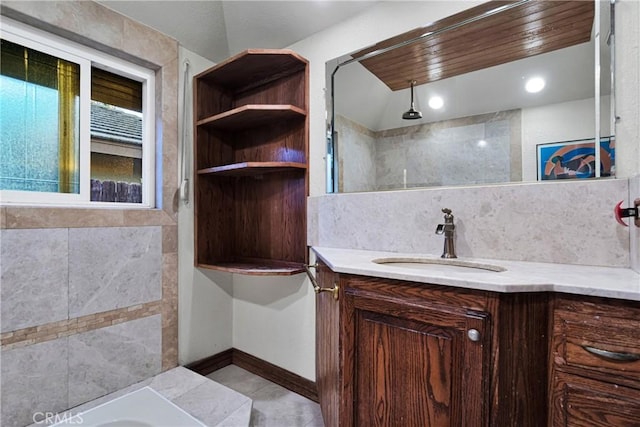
x: 116, y: 138
x: 76, y: 124
x: 39, y: 121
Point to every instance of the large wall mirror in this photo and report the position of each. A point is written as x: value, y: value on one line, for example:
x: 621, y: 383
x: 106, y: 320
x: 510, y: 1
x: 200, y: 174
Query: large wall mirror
x: 506, y: 91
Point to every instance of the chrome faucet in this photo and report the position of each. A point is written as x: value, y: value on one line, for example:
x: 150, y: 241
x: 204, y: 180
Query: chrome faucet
x: 447, y: 229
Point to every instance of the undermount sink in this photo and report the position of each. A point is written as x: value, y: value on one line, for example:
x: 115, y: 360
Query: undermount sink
x: 439, y: 264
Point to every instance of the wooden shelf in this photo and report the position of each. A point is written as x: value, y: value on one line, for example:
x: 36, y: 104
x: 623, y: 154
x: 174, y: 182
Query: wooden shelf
x: 257, y: 267
x: 253, y: 115
x: 253, y: 68
x: 252, y: 168
x: 251, y: 145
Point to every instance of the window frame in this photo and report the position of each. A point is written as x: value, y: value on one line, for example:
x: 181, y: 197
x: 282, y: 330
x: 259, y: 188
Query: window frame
x: 87, y: 58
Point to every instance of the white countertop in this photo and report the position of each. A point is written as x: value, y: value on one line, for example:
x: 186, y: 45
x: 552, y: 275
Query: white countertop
x: 520, y: 276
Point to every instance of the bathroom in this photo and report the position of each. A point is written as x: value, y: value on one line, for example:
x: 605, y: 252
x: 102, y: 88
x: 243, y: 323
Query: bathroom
x: 52, y: 322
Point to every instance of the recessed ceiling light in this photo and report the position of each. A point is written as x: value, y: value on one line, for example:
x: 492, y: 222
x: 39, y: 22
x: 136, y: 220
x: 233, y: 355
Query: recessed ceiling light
x: 534, y: 84
x: 482, y: 143
x: 436, y: 102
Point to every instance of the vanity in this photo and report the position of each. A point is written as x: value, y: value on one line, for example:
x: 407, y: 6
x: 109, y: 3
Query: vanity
x: 527, y: 327
x: 426, y: 346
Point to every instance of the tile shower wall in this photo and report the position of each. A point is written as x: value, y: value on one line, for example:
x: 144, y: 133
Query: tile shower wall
x: 559, y: 222
x: 89, y: 296
x: 471, y: 150
x: 356, y: 146
x: 53, y: 276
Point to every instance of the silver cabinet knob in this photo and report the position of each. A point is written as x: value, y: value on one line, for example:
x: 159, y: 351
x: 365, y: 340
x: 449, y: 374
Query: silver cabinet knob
x: 473, y: 334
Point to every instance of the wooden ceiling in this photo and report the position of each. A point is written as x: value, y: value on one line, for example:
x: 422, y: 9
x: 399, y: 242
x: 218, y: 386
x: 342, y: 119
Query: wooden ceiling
x: 532, y: 28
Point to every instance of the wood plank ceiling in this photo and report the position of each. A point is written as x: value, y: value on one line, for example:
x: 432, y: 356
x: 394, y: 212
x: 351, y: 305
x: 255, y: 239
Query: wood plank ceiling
x: 532, y: 28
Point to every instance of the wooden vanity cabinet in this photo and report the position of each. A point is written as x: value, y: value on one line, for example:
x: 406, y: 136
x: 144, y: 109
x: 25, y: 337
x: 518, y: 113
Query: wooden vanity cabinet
x: 595, y: 363
x: 396, y: 353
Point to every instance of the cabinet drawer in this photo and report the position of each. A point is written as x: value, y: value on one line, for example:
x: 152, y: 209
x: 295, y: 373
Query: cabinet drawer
x: 599, y: 340
x: 580, y: 402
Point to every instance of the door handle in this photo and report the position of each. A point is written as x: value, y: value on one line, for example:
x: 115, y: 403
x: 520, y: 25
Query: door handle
x: 612, y: 355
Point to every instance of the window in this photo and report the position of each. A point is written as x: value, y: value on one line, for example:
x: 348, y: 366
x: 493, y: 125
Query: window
x: 76, y: 125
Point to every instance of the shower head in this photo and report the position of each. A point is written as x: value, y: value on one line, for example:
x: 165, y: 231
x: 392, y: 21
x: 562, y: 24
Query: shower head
x: 412, y: 114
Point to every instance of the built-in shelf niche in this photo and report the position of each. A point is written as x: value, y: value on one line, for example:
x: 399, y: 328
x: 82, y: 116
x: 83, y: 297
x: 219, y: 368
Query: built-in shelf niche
x: 251, y: 145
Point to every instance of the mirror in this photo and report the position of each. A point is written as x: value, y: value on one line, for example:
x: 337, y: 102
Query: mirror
x: 487, y: 127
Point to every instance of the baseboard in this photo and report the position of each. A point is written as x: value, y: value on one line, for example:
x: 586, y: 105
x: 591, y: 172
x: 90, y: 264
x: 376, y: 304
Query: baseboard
x: 212, y: 363
x: 262, y: 368
x: 276, y: 374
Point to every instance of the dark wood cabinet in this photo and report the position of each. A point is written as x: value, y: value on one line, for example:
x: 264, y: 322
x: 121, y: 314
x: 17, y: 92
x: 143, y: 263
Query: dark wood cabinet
x: 595, y: 363
x: 329, y: 352
x: 416, y: 365
x: 397, y: 353
x: 251, y: 145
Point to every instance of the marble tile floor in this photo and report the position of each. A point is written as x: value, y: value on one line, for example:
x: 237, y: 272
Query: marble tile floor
x: 273, y: 405
x: 210, y: 402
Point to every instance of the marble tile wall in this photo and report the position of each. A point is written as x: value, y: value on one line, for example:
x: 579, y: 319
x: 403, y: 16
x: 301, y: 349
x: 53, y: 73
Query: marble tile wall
x: 356, y: 151
x: 108, y: 359
x: 559, y: 222
x: 119, y: 264
x: 53, y: 276
x: 55, y: 375
x: 478, y: 149
x: 35, y: 277
x: 44, y: 389
x: 102, y: 279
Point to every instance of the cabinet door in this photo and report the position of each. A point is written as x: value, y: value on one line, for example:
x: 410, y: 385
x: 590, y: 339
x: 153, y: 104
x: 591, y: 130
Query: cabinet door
x: 327, y: 347
x: 416, y: 365
x: 581, y: 402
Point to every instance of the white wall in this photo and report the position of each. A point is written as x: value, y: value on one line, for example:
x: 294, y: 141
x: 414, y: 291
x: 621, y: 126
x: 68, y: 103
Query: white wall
x: 205, y: 300
x: 555, y: 123
x: 274, y: 319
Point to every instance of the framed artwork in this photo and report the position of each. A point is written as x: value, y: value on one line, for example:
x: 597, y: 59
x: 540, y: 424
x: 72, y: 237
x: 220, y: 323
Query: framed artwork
x: 575, y: 159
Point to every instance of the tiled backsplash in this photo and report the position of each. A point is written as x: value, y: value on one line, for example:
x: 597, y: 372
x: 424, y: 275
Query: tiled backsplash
x: 557, y: 222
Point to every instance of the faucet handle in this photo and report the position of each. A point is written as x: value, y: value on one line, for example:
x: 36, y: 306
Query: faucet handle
x: 448, y: 218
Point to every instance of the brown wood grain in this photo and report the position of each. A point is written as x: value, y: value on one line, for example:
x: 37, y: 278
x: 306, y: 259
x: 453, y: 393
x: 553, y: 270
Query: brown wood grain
x: 589, y: 390
x: 404, y: 372
x: 413, y: 363
x: 255, y: 365
x: 519, y: 378
x: 328, y: 347
x: 405, y: 358
x: 251, y: 144
x: 582, y: 402
x: 530, y: 29
x: 253, y: 68
x: 276, y: 374
x: 251, y: 115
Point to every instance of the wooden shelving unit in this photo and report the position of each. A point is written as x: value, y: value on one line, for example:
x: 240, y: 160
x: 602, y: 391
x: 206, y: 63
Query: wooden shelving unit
x: 251, y: 145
